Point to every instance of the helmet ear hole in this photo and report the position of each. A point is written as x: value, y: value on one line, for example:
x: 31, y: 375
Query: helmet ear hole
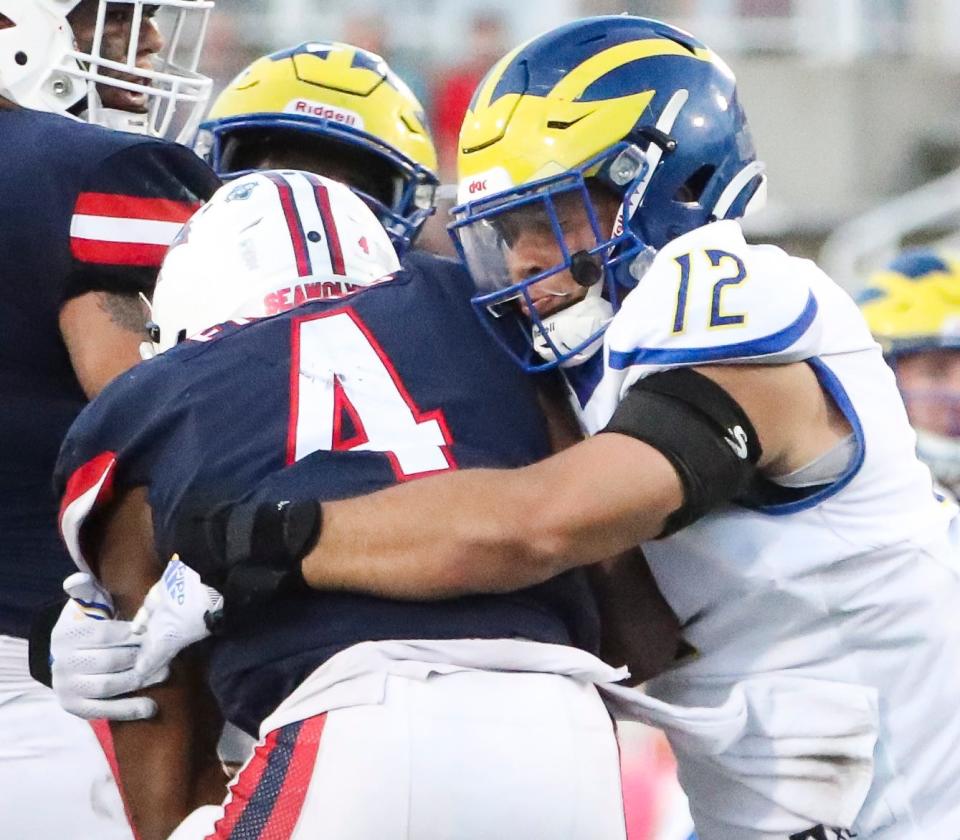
x: 691, y: 190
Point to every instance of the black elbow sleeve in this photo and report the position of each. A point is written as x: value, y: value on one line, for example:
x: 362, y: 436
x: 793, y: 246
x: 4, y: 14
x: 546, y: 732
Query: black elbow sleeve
x: 701, y: 430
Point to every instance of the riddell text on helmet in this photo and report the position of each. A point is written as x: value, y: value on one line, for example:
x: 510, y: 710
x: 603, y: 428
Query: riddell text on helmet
x: 323, y: 111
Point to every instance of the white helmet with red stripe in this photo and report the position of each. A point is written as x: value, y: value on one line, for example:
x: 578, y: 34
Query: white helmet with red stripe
x: 264, y: 244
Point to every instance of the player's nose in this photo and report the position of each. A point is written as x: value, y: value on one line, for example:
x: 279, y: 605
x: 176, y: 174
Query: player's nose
x: 151, y: 40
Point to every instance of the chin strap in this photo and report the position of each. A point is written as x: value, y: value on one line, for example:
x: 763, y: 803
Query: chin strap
x: 122, y: 120
x: 570, y: 327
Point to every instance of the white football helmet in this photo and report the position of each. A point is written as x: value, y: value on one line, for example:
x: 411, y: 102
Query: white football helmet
x: 264, y: 244
x: 42, y: 66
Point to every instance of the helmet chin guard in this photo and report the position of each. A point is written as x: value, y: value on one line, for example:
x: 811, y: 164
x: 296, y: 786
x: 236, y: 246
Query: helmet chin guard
x: 578, y: 326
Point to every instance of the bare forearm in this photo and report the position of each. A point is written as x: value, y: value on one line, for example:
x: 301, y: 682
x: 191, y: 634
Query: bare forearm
x: 102, y: 332
x: 168, y: 764
x: 432, y: 538
x: 495, y: 530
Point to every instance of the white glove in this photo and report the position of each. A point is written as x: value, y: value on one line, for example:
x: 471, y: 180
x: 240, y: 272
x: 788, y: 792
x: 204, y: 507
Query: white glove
x: 92, y: 656
x: 173, y: 617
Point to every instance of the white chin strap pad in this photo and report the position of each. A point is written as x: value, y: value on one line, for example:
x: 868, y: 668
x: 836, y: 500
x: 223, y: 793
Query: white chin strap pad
x: 574, y: 325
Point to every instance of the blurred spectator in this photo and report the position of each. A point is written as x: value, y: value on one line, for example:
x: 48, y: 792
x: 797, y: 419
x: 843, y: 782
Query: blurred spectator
x: 365, y: 30
x: 486, y: 43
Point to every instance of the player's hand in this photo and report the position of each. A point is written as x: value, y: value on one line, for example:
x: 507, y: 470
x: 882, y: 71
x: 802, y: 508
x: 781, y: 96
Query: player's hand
x: 93, y: 654
x: 249, y: 552
x: 176, y: 613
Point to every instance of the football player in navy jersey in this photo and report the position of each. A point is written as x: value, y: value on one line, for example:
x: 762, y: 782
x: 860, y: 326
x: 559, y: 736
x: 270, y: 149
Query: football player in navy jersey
x: 338, y: 111
x: 86, y: 216
x: 377, y: 718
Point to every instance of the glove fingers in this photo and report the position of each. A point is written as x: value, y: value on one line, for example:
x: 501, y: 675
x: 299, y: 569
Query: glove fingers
x: 127, y: 708
x: 80, y: 632
x: 151, y: 673
x: 97, y: 686
x: 87, y: 661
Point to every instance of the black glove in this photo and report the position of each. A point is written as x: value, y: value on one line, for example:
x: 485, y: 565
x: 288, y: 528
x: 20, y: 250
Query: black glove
x: 250, y: 552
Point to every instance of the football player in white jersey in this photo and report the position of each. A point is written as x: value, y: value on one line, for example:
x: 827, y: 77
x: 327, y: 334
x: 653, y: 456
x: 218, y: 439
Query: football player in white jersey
x: 744, y: 429
x: 912, y: 307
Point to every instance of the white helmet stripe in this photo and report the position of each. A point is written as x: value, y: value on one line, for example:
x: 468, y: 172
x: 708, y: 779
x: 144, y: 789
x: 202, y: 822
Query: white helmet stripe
x: 736, y: 185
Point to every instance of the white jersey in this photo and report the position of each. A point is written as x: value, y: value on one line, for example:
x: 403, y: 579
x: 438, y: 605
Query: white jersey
x: 852, y: 584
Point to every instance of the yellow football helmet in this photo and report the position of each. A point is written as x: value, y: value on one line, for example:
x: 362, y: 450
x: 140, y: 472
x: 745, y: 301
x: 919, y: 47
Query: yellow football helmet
x: 914, y: 302
x: 340, y: 101
x: 913, y: 309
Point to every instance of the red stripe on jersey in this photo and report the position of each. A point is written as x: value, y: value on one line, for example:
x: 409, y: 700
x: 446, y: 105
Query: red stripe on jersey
x: 130, y: 207
x: 85, y: 478
x: 243, y: 787
x: 297, y: 237
x: 291, y: 797
x: 117, y: 253
x: 330, y: 226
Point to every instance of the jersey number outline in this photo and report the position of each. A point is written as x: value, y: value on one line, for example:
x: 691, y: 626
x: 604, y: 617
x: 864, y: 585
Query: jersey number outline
x: 717, y: 318
x: 340, y: 376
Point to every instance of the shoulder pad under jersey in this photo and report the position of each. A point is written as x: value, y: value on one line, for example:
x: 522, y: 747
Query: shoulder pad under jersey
x: 709, y: 297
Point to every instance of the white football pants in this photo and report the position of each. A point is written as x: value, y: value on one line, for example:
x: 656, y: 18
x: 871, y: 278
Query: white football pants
x: 55, y: 781
x: 467, y: 754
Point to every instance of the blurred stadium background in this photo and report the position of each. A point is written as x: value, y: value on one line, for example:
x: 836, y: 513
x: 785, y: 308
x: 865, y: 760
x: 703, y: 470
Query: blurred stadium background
x: 855, y: 104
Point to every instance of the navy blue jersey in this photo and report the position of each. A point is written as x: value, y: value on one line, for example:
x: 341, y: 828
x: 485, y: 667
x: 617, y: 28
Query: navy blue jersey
x: 82, y: 208
x: 330, y: 400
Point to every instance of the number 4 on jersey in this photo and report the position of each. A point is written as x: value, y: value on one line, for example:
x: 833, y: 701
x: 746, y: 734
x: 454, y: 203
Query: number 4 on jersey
x: 346, y: 395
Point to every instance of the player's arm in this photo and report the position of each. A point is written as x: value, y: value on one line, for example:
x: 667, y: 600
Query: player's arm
x: 496, y: 530
x: 131, y: 207
x: 671, y: 454
x: 102, y: 332
x: 168, y: 764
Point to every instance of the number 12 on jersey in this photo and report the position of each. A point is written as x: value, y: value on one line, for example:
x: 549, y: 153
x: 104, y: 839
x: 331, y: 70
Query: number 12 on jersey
x: 717, y: 318
x: 346, y: 395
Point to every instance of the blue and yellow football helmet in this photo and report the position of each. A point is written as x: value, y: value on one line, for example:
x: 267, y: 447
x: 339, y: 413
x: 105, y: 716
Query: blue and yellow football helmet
x: 342, y: 104
x: 632, y: 105
x: 914, y: 302
x: 912, y: 307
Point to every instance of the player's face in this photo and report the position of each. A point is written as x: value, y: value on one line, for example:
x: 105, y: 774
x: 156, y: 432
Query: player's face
x: 533, y: 247
x: 930, y: 382
x: 117, y: 33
